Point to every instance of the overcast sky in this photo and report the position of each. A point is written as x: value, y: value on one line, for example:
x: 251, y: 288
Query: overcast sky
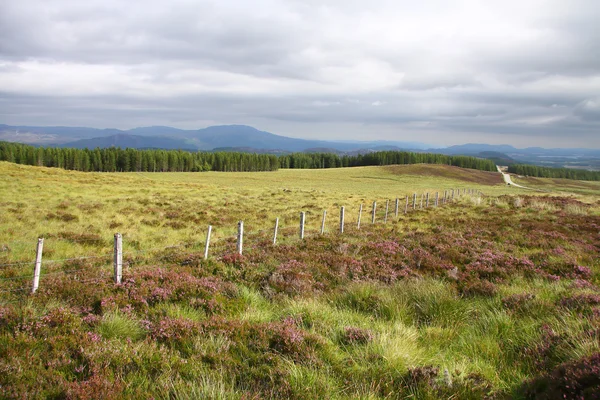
x: 522, y: 72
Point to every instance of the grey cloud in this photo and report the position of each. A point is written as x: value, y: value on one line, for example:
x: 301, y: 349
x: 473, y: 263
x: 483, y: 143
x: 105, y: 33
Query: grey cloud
x: 292, y: 64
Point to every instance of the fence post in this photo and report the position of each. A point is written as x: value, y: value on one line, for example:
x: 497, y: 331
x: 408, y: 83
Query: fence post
x: 421, y: 207
x: 240, y: 238
x: 275, y: 232
x: 359, y: 215
x: 452, y: 196
x: 342, y: 219
x: 437, y: 198
x: 414, y: 201
x: 427, y: 201
x: 397, y: 204
x: 373, y: 212
x: 38, y: 265
x: 302, y: 219
x: 118, y: 262
x: 387, y: 207
x: 207, y: 242
x: 406, y: 205
x: 323, y: 222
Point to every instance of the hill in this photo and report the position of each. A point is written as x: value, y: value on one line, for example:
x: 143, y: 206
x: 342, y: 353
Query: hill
x: 222, y: 136
x: 491, y: 296
x: 131, y: 141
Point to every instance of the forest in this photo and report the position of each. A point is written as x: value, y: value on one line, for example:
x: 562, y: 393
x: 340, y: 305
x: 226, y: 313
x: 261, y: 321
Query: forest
x: 115, y: 159
x: 545, y: 172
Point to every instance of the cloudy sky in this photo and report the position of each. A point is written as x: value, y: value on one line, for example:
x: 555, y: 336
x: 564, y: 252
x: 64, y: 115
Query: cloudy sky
x: 523, y: 72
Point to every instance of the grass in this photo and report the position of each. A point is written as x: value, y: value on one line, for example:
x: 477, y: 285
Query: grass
x: 474, y: 299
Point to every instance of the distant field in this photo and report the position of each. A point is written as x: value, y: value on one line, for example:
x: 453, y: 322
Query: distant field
x: 561, y: 186
x: 158, y: 209
x: 494, y: 296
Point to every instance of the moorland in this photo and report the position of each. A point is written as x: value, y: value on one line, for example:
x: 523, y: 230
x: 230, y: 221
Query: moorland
x: 493, y: 294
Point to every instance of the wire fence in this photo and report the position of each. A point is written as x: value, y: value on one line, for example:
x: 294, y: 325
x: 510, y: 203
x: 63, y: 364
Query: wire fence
x: 17, y: 280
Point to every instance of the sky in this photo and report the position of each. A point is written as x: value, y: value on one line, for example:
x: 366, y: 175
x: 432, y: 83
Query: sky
x: 441, y: 72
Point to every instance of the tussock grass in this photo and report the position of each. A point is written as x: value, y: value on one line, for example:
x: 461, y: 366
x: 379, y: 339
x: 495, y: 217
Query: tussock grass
x: 116, y: 325
x: 542, y: 206
x: 382, y: 312
x: 575, y: 209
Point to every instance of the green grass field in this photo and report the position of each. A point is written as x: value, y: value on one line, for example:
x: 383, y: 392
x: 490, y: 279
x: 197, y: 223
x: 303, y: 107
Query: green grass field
x: 492, y: 296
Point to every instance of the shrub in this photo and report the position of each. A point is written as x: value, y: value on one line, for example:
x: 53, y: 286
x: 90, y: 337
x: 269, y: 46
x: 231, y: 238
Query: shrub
x: 292, y: 278
x: 580, y: 301
x: 518, y: 302
x: 353, y: 335
x: 477, y: 287
x: 578, y: 379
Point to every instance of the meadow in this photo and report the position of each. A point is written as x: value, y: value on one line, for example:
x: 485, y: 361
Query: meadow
x: 492, y: 295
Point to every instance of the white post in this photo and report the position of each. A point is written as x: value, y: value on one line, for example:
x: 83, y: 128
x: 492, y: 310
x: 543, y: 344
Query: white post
x: 302, y: 219
x: 275, y: 232
x: 396, y: 209
x: 359, y: 215
x: 427, y: 201
x: 240, y: 237
x: 406, y: 205
x: 437, y: 198
x: 387, y: 207
x: 452, y: 196
x: 414, y: 201
x: 118, y: 261
x: 421, y: 207
x: 373, y: 212
x: 38, y: 265
x: 342, y: 219
x: 207, y: 242
x: 323, y: 222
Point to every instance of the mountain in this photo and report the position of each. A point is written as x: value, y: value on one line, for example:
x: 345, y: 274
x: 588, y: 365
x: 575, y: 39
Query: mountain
x: 222, y: 136
x: 133, y: 141
x: 248, y: 139
x: 497, y: 157
x: 474, y: 148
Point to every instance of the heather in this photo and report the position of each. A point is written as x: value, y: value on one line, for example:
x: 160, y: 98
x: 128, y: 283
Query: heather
x: 482, y: 298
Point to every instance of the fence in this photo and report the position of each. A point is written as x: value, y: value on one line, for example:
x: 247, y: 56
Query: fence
x: 118, y: 250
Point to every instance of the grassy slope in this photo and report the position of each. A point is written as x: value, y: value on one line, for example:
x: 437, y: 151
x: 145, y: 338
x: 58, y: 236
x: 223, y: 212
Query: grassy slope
x: 379, y: 313
x: 154, y: 210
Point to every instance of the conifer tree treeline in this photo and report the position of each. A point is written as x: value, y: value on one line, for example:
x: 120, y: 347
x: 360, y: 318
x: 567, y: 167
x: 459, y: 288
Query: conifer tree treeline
x: 134, y: 160
x: 546, y: 172
x: 328, y: 160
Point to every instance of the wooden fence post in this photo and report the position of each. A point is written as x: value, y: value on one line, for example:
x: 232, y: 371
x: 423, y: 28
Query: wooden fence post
x: 427, y: 201
x: 452, y: 196
x: 302, y: 219
x: 118, y: 261
x: 323, y: 222
x: 38, y: 265
x: 240, y: 238
x: 207, y: 242
x: 275, y: 231
x: 421, y: 207
x: 406, y: 205
x: 437, y: 198
x: 373, y: 212
x: 396, y: 209
x: 359, y: 215
x: 342, y: 219
x: 387, y: 207
x: 414, y: 201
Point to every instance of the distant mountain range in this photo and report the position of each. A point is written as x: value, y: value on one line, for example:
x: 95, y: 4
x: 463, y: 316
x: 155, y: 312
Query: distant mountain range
x: 248, y: 139
x: 164, y: 137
